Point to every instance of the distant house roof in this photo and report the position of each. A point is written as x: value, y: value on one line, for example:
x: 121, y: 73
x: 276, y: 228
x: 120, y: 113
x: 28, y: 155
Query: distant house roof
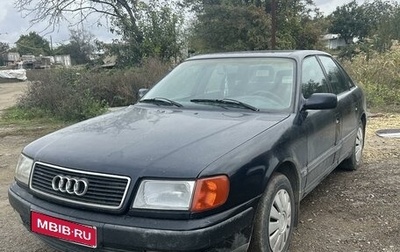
x: 330, y: 36
x: 333, y: 41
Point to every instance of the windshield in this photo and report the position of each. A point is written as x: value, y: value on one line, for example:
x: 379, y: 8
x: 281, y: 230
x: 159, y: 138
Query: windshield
x: 260, y: 83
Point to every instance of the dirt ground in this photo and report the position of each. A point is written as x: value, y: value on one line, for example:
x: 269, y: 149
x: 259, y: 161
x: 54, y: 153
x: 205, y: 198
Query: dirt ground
x: 349, y: 211
x: 9, y: 93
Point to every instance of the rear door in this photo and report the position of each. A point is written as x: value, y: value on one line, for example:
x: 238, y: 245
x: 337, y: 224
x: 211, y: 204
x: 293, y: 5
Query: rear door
x: 347, y: 109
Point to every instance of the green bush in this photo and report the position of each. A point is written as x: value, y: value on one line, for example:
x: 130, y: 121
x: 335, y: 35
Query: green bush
x: 78, y: 94
x: 62, y: 93
x: 118, y: 87
x: 379, y: 76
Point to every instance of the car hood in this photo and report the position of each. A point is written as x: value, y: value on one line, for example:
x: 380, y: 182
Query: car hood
x: 152, y: 142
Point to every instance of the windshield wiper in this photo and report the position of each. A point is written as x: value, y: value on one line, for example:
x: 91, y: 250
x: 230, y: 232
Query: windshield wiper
x: 162, y: 100
x: 226, y: 101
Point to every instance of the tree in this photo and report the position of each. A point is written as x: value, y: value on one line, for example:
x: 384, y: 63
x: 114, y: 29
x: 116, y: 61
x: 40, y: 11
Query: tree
x: 384, y: 19
x: 297, y: 24
x: 124, y: 17
x: 162, y: 30
x: 304, y: 34
x: 80, y: 47
x: 228, y: 27
x: 33, y: 44
x: 122, y: 14
x: 350, y: 21
x: 161, y: 24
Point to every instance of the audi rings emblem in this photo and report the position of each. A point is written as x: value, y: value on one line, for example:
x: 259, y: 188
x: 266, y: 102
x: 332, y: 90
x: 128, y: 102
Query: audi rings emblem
x: 70, y: 185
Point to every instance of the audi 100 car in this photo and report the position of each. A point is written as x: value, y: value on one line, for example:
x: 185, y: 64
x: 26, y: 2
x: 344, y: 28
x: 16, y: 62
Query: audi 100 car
x: 215, y: 157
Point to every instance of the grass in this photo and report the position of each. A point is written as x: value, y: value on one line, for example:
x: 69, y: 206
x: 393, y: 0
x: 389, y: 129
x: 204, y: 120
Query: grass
x: 16, y: 121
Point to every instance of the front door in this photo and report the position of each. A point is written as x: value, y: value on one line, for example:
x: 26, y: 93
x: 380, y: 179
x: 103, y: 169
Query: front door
x: 322, y: 126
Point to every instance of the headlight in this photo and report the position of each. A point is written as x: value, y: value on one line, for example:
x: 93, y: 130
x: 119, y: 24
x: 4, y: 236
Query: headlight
x: 164, y: 195
x: 23, y: 169
x: 196, y: 196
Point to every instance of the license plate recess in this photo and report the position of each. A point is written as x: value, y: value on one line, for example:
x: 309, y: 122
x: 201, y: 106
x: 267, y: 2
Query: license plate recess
x: 62, y: 229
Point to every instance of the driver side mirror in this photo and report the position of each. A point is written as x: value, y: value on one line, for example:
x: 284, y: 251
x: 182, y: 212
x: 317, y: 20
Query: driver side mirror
x: 321, y: 101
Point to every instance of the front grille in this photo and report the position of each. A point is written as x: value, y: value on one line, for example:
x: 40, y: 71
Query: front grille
x: 104, y: 190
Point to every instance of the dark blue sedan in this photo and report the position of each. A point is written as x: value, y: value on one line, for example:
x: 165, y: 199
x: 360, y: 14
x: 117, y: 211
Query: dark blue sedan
x: 215, y: 157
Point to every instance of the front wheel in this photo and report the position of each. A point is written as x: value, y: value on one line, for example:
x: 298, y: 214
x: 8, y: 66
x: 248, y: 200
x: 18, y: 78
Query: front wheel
x: 274, y: 221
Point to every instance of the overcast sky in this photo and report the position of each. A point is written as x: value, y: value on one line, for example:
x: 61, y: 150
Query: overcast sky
x: 13, y: 25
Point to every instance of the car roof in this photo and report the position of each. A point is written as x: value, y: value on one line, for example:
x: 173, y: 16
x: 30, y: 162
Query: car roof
x: 295, y: 54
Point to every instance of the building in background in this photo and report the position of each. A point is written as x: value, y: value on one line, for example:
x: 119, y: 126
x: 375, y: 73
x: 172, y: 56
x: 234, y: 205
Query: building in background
x: 11, y: 58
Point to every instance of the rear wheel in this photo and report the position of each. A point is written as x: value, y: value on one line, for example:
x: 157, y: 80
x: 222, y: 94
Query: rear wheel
x: 274, y: 222
x: 355, y: 160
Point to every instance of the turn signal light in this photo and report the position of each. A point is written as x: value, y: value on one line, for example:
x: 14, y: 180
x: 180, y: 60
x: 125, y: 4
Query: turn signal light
x: 210, y: 193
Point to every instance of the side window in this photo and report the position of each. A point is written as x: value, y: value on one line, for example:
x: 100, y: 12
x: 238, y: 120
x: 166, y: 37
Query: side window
x: 347, y: 77
x: 338, y: 81
x: 313, y: 78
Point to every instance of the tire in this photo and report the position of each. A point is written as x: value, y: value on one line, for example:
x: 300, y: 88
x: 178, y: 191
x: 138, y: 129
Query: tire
x: 274, y: 220
x: 355, y: 160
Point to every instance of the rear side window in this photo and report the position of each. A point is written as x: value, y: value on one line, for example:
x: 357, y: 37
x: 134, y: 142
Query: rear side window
x: 336, y: 77
x: 313, y: 78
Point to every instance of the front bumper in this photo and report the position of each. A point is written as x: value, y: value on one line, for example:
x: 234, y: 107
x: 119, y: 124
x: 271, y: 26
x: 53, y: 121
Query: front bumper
x: 121, y: 232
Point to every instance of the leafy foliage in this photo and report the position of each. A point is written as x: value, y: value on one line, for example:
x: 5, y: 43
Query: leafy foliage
x: 300, y: 33
x: 33, y: 44
x: 74, y: 95
x: 385, y: 17
x: 62, y: 94
x: 162, y: 30
x: 118, y: 87
x: 299, y: 24
x: 227, y: 27
x: 247, y: 25
x: 374, y: 23
x: 350, y: 21
x: 156, y: 28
